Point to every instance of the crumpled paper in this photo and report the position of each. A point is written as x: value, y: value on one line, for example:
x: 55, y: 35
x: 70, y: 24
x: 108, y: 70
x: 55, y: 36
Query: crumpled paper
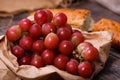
x: 5, y: 73
x: 100, y: 40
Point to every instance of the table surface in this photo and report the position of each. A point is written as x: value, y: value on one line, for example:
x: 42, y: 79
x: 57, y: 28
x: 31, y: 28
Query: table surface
x: 112, y: 67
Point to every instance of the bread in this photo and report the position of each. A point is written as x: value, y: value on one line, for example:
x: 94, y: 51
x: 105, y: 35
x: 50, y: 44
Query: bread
x: 77, y: 18
x: 111, y: 26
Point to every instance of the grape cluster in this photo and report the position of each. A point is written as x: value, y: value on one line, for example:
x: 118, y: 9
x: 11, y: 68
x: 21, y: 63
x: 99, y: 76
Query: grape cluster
x: 49, y: 40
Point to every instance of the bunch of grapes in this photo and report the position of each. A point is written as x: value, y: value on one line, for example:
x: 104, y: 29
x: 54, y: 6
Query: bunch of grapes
x: 49, y: 40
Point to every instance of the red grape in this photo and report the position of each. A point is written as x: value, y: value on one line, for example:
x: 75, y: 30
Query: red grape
x: 40, y: 17
x: 13, y: 33
x: 66, y: 47
x: 60, y: 61
x: 60, y: 19
x: 64, y: 33
x: 48, y: 56
x: 77, y: 38
x: 25, y: 60
x: 26, y: 42
x: 35, y: 31
x: 49, y: 15
x: 83, y: 46
x: 37, y: 61
x: 90, y: 53
x: 51, y: 41
x: 85, y: 69
x: 38, y: 46
x: 67, y: 26
x: 47, y: 28
x: 25, y: 24
x: 72, y: 66
x: 18, y: 51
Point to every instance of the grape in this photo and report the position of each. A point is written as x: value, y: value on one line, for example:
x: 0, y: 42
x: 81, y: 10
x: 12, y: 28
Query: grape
x: 72, y: 66
x: 35, y: 31
x: 47, y: 28
x: 38, y: 46
x: 48, y: 56
x: 40, y: 17
x: 49, y: 15
x: 66, y: 47
x: 60, y: 61
x: 90, y: 53
x: 26, y: 42
x: 37, y: 61
x: 13, y: 33
x: 25, y: 24
x: 67, y: 26
x: 25, y: 60
x: 60, y: 19
x: 17, y: 51
x: 64, y: 33
x: 77, y: 38
x: 85, y: 69
x: 51, y: 41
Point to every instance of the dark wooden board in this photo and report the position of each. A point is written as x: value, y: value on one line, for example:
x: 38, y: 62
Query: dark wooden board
x: 112, y: 67
x: 111, y: 70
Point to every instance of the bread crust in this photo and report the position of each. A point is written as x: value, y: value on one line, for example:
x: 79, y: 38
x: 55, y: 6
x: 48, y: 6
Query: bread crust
x: 111, y: 26
x: 72, y: 13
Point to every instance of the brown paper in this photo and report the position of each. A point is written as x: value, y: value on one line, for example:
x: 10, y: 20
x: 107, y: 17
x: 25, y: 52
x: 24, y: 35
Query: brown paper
x: 5, y: 73
x: 101, y: 40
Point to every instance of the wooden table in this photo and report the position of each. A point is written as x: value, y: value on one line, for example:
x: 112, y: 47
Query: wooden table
x: 112, y: 67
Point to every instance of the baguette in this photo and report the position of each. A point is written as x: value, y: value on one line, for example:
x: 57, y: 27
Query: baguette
x: 77, y: 18
x: 111, y: 26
